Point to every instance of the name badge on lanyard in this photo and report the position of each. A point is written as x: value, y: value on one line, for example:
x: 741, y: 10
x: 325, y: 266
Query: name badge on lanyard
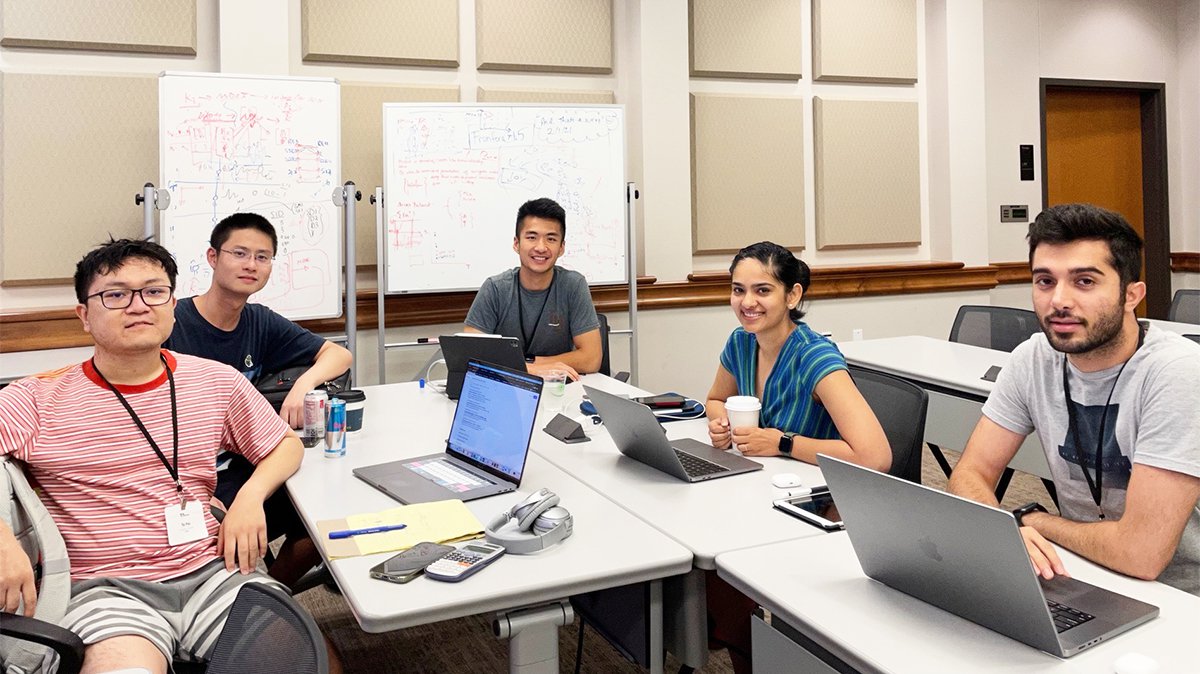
x: 185, y: 523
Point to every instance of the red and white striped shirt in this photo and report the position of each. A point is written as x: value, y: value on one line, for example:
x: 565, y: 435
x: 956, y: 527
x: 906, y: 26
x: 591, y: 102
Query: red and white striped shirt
x: 101, y: 481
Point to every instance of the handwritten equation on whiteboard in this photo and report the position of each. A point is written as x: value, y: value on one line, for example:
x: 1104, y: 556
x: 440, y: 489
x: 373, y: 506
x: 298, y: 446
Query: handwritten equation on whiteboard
x: 455, y: 176
x: 268, y: 146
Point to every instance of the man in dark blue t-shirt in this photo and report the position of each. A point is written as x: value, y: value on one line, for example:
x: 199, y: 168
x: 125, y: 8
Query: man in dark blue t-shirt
x: 222, y: 325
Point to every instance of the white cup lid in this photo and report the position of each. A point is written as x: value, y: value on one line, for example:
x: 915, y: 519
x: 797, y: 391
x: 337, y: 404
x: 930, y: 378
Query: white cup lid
x: 742, y: 403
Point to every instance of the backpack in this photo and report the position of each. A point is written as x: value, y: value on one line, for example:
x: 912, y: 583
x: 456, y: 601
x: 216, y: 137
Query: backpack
x: 276, y: 386
x: 23, y: 512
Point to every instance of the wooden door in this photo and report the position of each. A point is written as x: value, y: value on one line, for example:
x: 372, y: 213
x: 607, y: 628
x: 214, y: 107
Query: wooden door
x: 1094, y: 152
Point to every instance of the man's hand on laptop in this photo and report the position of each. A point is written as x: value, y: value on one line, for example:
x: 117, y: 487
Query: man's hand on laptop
x: 16, y: 576
x: 1043, y: 556
x: 541, y: 367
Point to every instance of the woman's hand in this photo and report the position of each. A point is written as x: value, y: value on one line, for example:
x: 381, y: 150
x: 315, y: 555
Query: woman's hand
x: 752, y: 441
x: 718, y: 432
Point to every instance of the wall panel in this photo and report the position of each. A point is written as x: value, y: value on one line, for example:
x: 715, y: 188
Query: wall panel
x: 865, y: 40
x: 149, y: 26
x: 573, y: 36
x: 387, y: 32
x: 763, y: 39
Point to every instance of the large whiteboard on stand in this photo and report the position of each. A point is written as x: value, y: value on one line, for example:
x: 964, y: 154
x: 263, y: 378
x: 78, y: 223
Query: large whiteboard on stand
x: 268, y: 145
x: 455, y: 175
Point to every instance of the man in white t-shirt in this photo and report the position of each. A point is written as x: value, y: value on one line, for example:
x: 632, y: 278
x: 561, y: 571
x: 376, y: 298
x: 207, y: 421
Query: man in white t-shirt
x: 1115, y: 404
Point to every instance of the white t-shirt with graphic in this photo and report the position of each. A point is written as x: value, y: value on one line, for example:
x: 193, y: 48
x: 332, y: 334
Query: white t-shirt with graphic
x: 1153, y: 419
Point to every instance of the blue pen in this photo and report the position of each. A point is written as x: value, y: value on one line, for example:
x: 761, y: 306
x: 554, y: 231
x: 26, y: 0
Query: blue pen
x: 347, y: 533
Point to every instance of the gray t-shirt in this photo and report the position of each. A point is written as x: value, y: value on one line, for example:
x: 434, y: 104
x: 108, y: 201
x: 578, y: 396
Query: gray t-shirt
x: 552, y: 317
x: 1153, y: 419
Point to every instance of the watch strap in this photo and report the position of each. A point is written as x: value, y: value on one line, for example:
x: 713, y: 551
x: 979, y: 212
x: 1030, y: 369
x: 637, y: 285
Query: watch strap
x: 1024, y: 510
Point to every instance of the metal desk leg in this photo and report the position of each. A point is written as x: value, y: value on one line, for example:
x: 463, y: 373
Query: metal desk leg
x: 941, y: 458
x: 685, y: 618
x: 657, y: 647
x: 533, y: 636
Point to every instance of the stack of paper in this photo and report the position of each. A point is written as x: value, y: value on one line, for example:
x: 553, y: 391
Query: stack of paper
x: 439, y: 522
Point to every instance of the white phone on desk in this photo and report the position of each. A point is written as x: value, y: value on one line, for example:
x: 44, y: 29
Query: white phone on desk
x: 465, y: 561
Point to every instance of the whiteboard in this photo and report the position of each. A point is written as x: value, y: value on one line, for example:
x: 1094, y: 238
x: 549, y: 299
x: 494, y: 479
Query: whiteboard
x: 455, y: 175
x: 269, y: 145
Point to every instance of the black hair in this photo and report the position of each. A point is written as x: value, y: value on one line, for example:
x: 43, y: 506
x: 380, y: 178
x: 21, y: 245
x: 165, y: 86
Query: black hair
x: 780, y: 263
x: 112, y: 255
x: 226, y: 227
x: 1066, y: 223
x: 542, y: 208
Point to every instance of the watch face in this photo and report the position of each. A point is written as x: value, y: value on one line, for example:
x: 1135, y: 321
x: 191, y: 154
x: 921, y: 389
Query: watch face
x: 785, y: 443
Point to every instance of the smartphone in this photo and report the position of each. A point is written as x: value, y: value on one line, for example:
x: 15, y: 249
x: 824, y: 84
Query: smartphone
x: 991, y: 374
x: 409, y: 564
x: 817, y: 508
x: 662, y: 401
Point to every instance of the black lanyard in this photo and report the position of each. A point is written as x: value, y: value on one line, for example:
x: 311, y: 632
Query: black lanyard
x: 172, y: 469
x: 1094, y: 486
x: 521, y: 311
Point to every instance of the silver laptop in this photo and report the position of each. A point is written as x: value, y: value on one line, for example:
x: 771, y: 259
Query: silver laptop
x: 488, y: 444
x: 458, y: 350
x: 969, y: 559
x: 640, y: 437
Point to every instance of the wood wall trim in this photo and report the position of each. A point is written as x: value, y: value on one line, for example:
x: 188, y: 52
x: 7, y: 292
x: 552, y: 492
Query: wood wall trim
x: 1185, y: 262
x: 58, y: 327
x: 1013, y: 272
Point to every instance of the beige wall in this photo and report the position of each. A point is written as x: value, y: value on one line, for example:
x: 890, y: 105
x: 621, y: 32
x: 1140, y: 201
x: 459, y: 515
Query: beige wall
x: 977, y: 66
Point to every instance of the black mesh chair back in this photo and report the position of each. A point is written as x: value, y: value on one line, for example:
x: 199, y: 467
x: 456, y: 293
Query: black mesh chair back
x: 1185, y: 307
x: 900, y: 407
x: 605, y: 365
x: 268, y: 633
x: 999, y: 328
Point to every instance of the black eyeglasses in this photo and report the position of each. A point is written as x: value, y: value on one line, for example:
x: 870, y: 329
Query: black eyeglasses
x: 241, y: 255
x: 120, y: 298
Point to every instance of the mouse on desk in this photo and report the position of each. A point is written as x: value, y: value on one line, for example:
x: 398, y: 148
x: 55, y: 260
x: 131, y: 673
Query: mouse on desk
x: 1135, y: 663
x: 785, y: 480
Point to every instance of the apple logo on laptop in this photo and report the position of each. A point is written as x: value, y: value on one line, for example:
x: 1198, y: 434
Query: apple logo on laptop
x: 929, y: 548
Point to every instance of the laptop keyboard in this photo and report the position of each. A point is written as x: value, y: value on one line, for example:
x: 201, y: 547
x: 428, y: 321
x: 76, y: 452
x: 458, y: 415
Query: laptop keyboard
x: 447, y: 475
x: 1066, y: 617
x: 694, y: 466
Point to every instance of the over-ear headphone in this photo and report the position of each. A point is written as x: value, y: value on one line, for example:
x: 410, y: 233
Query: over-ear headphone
x: 540, y: 523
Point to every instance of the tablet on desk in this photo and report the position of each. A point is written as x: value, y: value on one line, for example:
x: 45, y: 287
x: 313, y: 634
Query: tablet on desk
x: 817, y: 509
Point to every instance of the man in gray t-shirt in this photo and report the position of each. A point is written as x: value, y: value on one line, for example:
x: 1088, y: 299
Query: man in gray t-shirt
x: 545, y: 306
x: 1115, y: 405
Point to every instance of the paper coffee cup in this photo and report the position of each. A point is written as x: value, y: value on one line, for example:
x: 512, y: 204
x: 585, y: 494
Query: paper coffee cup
x: 742, y: 411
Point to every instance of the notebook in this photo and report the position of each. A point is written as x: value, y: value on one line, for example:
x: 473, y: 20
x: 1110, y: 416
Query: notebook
x: 969, y: 559
x: 458, y: 350
x: 487, y: 448
x: 640, y: 437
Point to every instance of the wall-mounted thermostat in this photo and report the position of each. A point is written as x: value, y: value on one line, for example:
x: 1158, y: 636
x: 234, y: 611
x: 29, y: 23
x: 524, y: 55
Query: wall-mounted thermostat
x: 1014, y: 213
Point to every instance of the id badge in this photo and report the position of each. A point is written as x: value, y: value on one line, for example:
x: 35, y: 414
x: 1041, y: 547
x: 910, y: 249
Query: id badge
x: 185, y: 524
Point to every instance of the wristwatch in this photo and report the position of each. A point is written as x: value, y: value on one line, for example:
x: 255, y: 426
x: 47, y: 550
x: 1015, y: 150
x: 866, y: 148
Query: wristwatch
x: 785, y: 443
x: 1026, y: 509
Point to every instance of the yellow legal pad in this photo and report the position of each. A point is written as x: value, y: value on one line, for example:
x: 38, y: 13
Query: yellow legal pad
x: 440, y: 522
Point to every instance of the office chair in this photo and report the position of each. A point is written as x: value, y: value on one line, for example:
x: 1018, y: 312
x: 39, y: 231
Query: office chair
x: 18, y: 628
x: 605, y: 364
x: 900, y: 407
x: 1185, y: 307
x: 1002, y: 329
x: 999, y: 328
x: 268, y: 633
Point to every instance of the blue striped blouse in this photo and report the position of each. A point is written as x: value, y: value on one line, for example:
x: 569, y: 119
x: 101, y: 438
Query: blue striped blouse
x: 806, y: 358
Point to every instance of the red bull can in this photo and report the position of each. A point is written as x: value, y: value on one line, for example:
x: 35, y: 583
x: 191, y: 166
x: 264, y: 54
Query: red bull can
x: 335, y: 429
x: 315, y: 405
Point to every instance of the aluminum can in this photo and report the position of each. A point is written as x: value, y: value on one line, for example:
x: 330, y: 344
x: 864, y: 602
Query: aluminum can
x: 335, y: 429
x: 315, y: 405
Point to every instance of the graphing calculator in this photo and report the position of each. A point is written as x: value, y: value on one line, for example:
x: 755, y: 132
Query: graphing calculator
x: 463, y: 562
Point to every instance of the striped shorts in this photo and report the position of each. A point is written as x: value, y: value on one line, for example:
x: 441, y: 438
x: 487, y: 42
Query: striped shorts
x: 182, y: 616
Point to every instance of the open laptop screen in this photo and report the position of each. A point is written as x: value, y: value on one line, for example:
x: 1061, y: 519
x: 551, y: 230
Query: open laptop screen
x: 494, y: 419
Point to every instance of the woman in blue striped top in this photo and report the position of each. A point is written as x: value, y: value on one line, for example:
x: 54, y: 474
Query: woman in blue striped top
x: 809, y: 403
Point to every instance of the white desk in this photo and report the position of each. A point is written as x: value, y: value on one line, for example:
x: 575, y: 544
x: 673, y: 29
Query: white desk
x: 951, y: 373
x: 17, y: 364
x: 1173, y: 326
x: 609, y: 547
x: 708, y: 518
x: 817, y: 586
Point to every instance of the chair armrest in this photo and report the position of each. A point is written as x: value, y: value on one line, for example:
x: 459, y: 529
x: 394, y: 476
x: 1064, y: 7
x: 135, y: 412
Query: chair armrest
x: 67, y: 644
